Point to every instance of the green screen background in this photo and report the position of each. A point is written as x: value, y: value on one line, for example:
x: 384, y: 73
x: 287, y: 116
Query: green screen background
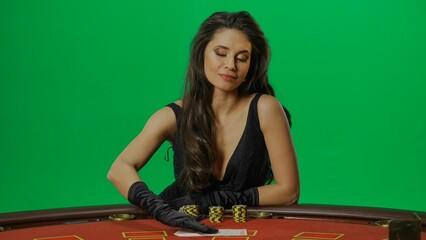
x: 79, y: 79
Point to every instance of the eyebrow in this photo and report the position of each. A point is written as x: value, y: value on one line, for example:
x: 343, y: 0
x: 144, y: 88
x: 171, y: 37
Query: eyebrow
x: 227, y: 48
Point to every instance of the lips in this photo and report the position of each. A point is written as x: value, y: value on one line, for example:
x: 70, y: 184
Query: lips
x: 227, y: 77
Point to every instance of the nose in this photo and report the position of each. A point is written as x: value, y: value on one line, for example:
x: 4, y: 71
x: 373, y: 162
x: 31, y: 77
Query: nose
x: 230, y: 63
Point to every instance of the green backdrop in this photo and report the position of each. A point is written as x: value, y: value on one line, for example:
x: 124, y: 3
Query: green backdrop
x: 78, y: 80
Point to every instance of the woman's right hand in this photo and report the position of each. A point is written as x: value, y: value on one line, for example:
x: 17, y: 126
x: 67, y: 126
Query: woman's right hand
x: 140, y: 195
x: 174, y: 218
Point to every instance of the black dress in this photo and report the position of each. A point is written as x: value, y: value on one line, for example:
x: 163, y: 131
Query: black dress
x: 248, y: 166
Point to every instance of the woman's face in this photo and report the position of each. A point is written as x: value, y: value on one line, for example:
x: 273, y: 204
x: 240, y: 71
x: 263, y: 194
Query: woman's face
x: 227, y: 59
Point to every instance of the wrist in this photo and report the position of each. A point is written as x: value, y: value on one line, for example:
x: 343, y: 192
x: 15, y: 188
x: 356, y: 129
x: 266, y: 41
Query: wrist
x: 134, y: 189
x: 251, y: 196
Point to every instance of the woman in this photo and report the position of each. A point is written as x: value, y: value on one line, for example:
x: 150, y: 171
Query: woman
x: 229, y: 133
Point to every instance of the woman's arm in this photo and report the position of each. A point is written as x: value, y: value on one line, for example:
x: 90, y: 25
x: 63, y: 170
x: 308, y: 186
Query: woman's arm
x: 276, y: 131
x: 123, y: 173
x: 124, y: 170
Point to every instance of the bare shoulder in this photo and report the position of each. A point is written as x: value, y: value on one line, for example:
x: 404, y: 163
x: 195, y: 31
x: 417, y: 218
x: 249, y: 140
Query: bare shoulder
x: 270, y: 110
x: 179, y: 102
x: 166, y: 113
x: 163, y: 122
x: 269, y: 104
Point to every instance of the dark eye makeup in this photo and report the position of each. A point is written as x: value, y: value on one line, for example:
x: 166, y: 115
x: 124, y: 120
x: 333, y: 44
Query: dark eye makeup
x: 222, y: 53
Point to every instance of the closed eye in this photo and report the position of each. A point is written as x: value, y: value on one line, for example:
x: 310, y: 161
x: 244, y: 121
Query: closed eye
x: 221, y: 54
x: 242, y: 59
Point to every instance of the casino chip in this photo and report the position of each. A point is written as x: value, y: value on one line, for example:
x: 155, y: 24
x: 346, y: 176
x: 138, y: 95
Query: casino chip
x: 191, y: 210
x: 216, y: 214
x: 240, y: 213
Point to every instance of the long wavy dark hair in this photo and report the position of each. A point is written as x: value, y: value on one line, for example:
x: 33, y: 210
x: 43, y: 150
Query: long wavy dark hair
x: 196, y: 126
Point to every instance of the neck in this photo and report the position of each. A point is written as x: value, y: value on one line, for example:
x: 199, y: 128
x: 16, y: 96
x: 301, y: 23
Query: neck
x: 224, y: 103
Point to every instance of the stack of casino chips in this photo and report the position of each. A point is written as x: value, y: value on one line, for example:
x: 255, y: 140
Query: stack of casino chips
x: 240, y: 213
x: 216, y: 214
x: 191, y: 210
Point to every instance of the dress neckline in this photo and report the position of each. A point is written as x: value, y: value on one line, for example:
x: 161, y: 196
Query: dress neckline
x: 232, y: 157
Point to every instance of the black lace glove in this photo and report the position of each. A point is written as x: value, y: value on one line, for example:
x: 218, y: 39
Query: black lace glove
x: 141, y: 196
x: 227, y: 199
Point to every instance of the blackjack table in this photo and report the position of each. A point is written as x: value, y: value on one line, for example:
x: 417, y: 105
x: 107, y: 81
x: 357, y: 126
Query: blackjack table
x: 294, y: 222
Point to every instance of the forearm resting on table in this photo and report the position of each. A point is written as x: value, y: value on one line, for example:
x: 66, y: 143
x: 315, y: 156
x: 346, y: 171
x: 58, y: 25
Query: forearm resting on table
x: 276, y: 194
x: 123, y: 175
